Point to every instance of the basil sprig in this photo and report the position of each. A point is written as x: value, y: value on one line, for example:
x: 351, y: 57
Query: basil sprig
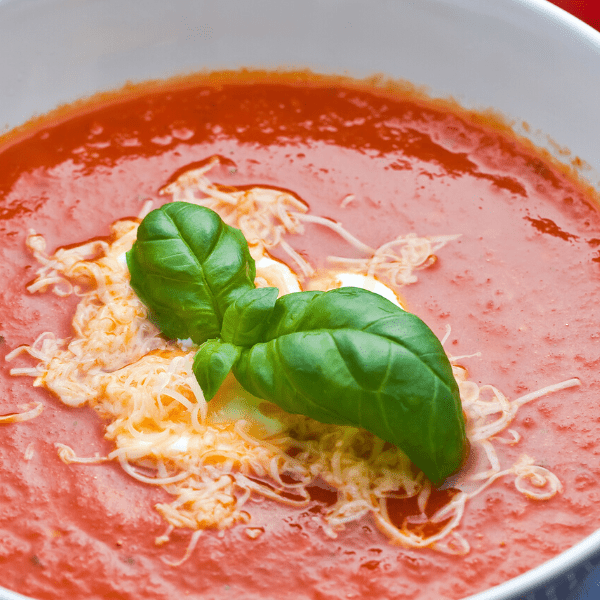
x: 346, y: 356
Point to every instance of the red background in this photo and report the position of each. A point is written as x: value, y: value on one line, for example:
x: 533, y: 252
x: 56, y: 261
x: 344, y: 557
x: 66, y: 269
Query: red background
x: 586, y: 10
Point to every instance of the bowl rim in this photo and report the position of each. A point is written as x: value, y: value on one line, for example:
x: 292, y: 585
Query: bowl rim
x: 567, y: 561
x: 552, y: 11
x: 547, y: 573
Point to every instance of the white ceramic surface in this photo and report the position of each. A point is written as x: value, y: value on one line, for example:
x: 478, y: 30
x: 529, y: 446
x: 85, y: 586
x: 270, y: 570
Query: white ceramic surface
x: 528, y: 59
x: 525, y: 58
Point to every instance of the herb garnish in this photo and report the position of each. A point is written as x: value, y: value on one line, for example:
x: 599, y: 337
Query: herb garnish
x: 346, y: 356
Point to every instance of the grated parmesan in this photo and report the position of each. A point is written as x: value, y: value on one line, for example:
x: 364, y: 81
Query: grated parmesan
x: 214, y: 458
x: 26, y: 415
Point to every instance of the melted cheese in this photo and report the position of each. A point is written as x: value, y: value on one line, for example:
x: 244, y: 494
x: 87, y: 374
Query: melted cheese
x: 332, y: 279
x: 274, y: 273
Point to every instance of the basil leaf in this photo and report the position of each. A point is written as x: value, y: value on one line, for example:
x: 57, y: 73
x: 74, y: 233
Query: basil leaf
x: 347, y: 356
x: 351, y: 357
x: 246, y: 320
x: 187, y: 266
x: 212, y: 364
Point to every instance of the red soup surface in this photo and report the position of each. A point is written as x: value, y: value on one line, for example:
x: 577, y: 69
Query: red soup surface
x: 520, y: 286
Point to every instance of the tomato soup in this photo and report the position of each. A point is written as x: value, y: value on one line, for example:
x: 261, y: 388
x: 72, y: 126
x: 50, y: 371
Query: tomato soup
x: 518, y: 289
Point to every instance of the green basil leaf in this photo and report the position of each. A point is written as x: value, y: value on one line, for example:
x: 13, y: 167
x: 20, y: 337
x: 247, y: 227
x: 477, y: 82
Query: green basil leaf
x: 187, y: 266
x: 351, y: 357
x: 246, y: 319
x: 212, y: 364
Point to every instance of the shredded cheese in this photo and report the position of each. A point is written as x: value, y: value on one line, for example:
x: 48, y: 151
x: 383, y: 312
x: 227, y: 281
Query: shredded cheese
x: 266, y: 215
x: 214, y: 458
x: 26, y: 415
x: 29, y: 451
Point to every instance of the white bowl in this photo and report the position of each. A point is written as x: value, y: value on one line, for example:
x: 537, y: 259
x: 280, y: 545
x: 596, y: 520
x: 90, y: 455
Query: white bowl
x: 527, y: 59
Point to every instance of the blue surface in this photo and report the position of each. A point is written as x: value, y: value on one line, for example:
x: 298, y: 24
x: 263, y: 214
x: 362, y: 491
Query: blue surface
x: 582, y: 583
x: 589, y: 589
